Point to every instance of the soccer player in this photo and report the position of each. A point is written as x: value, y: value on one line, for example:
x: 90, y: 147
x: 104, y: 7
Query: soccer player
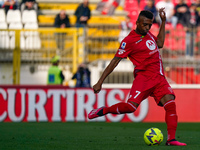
x: 142, y: 48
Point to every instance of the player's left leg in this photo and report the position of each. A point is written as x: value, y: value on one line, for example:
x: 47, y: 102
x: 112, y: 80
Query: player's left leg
x: 165, y: 96
x: 171, y: 119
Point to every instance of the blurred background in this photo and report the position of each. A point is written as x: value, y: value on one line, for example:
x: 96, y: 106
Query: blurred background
x: 31, y: 34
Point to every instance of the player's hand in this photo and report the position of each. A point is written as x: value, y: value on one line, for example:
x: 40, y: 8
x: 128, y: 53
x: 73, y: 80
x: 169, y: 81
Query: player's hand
x: 97, y: 88
x: 162, y: 14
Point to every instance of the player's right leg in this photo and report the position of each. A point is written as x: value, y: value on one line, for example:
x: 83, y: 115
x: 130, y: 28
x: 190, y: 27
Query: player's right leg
x: 119, y: 108
x: 96, y: 113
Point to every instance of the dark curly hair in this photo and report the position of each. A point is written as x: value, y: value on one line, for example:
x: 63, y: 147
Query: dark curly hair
x: 146, y: 14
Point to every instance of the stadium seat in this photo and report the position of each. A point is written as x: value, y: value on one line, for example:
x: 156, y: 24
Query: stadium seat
x: 30, y: 40
x: 168, y: 26
x: 179, y: 26
x: 142, y: 4
x: 13, y: 16
x: 29, y: 16
x: 4, y: 40
x: 3, y: 25
x: 131, y: 5
x: 4, y: 37
x: 30, y: 25
x: 33, y: 40
x: 14, y: 25
x: 2, y: 15
x: 155, y: 29
x: 13, y: 19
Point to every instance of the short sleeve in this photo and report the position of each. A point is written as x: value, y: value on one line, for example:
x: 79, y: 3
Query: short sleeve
x: 124, y: 49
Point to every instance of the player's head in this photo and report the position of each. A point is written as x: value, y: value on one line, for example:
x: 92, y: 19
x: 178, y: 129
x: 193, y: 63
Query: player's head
x: 144, y: 22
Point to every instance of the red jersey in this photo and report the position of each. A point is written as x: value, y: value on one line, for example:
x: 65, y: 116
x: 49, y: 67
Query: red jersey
x: 142, y: 51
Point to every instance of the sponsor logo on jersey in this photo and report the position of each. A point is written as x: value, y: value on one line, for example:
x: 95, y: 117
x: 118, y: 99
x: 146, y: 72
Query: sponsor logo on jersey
x: 150, y: 44
x: 123, y: 45
x: 138, y: 41
x: 120, y: 51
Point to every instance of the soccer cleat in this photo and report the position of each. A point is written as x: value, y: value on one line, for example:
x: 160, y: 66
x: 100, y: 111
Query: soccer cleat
x: 96, y: 113
x: 175, y: 143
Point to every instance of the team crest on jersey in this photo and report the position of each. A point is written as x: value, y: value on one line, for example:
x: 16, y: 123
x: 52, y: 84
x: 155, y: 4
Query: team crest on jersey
x: 123, y: 45
x: 150, y: 44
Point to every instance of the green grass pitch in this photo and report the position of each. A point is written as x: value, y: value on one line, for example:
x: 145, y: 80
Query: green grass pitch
x: 91, y: 136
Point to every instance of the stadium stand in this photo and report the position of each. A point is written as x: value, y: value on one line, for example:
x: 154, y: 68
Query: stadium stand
x: 48, y: 10
x: 101, y: 40
x: 102, y: 32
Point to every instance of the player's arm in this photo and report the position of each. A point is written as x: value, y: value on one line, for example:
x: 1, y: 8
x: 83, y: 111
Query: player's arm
x: 161, y: 34
x: 114, y: 62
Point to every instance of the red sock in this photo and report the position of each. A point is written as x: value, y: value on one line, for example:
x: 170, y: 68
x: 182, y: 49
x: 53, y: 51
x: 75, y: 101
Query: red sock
x: 120, y: 108
x: 171, y: 119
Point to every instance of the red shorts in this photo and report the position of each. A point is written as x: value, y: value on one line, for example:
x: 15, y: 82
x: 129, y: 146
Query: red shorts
x: 148, y: 84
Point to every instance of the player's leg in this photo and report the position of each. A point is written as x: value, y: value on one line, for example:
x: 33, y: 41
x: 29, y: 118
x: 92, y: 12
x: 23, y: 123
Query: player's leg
x: 139, y: 91
x: 164, y: 95
x: 119, y: 108
x: 171, y: 119
x: 136, y: 96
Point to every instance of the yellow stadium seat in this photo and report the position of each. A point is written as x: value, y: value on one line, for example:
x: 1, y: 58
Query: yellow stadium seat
x: 67, y: 6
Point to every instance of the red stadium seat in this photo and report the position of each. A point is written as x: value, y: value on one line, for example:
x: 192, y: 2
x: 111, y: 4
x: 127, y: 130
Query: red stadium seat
x: 142, y: 4
x: 130, y: 5
x: 168, y: 26
x: 184, y: 75
x: 155, y: 29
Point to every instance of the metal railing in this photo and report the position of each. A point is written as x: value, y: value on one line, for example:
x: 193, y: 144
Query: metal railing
x: 37, y: 47
x: 97, y: 46
x: 180, y: 55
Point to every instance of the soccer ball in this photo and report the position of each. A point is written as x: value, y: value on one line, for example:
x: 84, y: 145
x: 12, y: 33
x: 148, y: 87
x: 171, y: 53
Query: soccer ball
x: 153, y: 137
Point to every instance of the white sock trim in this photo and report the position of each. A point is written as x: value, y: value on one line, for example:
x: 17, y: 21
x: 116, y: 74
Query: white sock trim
x: 118, y: 111
x: 170, y: 101
x: 132, y: 105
